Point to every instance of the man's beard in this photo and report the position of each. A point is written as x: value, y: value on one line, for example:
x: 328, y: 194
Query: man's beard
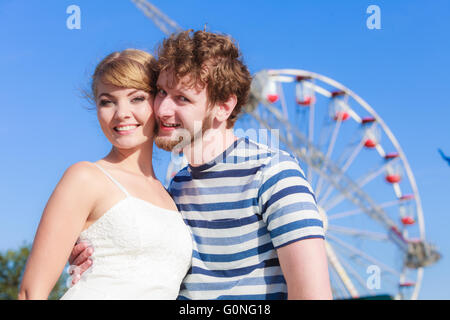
x: 182, y: 138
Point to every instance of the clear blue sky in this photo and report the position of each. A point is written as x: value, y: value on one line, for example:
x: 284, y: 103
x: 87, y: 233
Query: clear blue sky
x: 401, y: 70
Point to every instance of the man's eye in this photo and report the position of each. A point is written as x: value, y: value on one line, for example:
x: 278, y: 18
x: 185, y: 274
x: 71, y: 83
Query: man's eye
x: 161, y: 92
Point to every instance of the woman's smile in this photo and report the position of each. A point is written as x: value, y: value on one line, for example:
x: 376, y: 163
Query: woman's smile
x: 126, y: 129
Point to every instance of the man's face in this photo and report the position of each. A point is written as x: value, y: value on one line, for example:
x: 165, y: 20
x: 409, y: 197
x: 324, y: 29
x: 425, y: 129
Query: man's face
x: 179, y: 111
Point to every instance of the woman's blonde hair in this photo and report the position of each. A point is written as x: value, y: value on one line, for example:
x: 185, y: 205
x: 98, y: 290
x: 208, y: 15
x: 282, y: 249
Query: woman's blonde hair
x: 130, y: 68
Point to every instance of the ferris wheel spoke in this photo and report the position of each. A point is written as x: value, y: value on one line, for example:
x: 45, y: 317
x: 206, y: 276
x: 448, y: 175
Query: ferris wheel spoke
x: 418, y: 284
x: 310, y: 136
x: 363, y: 255
x: 353, y: 272
x: 323, y: 197
x: 373, y: 174
x: 363, y: 263
x: 282, y: 100
x: 361, y: 183
x: 337, y: 286
x: 344, y: 168
x: 352, y: 157
x: 340, y: 271
x: 312, y: 109
x: 326, y: 195
x: 358, y: 233
x: 329, y: 151
x: 340, y: 215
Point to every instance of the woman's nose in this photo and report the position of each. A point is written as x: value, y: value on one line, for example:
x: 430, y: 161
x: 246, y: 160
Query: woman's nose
x: 123, y: 111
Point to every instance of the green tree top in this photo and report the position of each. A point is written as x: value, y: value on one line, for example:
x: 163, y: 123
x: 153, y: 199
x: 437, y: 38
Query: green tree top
x: 12, y: 266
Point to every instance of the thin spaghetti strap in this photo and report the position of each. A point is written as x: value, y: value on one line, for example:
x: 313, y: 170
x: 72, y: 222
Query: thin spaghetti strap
x: 113, y: 180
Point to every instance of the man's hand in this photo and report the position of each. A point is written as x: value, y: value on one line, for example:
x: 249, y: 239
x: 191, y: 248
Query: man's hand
x: 79, y: 260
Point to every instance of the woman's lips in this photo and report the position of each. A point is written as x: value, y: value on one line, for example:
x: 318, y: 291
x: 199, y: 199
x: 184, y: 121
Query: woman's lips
x: 125, y: 130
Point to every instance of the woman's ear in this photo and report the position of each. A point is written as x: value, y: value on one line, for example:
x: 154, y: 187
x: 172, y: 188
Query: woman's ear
x: 224, y: 109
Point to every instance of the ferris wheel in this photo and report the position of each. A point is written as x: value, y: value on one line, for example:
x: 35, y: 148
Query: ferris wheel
x: 364, y: 186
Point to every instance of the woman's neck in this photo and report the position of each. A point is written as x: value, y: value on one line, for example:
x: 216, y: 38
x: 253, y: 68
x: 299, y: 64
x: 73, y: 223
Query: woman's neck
x: 137, y: 161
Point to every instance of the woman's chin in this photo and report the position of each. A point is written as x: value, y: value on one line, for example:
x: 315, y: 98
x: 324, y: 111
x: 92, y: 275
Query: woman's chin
x: 130, y: 145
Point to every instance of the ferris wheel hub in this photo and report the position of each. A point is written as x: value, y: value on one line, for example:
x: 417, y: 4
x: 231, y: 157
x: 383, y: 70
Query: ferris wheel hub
x: 421, y: 254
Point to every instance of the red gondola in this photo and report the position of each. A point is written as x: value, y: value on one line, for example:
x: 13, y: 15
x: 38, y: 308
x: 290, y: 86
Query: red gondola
x: 304, y: 92
x: 370, y: 143
x: 408, y: 221
x: 341, y: 115
x: 393, y: 178
x: 406, y: 284
x: 270, y: 92
x: 337, y: 93
x: 272, y: 98
x: 391, y: 155
x: 306, y: 101
x: 367, y: 120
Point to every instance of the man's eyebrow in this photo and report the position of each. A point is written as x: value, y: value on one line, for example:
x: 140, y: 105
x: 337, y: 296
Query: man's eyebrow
x: 159, y: 84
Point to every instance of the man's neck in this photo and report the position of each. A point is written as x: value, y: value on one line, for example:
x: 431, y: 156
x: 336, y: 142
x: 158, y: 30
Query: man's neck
x: 212, y: 144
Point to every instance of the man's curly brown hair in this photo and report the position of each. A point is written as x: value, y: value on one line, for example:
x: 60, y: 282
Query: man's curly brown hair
x: 208, y: 59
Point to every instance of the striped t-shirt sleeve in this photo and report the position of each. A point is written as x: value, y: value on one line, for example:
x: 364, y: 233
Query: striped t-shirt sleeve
x: 287, y: 202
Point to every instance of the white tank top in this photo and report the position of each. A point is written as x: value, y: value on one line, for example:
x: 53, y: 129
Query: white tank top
x: 141, y: 251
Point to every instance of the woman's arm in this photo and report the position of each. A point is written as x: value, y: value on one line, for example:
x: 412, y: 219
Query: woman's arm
x: 305, y: 268
x: 62, y: 221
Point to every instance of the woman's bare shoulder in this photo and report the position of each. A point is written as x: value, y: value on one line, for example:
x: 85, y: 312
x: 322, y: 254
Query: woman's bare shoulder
x: 81, y: 172
x: 81, y: 178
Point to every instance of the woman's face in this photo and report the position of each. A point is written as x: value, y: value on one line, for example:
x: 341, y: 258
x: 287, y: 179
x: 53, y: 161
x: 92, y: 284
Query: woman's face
x: 125, y: 115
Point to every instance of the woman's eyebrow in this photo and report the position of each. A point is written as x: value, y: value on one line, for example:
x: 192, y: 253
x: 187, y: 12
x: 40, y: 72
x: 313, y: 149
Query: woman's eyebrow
x: 105, y: 94
x: 132, y: 92
x: 112, y: 97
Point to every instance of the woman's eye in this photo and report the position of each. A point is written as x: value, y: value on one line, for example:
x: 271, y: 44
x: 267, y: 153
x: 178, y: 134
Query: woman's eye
x: 161, y: 92
x: 184, y: 99
x: 104, y: 102
x: 138, y: 99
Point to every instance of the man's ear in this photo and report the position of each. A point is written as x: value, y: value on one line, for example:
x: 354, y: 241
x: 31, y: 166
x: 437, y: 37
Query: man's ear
x: 224, y: 109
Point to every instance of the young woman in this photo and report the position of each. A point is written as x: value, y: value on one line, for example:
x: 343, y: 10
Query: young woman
x: 142, y: 246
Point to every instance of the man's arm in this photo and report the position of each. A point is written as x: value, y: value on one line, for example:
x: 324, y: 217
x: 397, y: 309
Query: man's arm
x: 305, y: 268
x: 289, y: 209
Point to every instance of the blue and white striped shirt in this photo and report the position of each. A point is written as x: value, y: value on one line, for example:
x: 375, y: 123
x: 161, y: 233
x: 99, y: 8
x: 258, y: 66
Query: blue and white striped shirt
x: 241, y: 207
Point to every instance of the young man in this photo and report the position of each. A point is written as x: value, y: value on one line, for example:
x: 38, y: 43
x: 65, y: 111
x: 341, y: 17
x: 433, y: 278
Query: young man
x: 256, y: 229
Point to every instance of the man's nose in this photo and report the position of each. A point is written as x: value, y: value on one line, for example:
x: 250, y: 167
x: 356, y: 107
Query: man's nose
x: 165, y: 108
